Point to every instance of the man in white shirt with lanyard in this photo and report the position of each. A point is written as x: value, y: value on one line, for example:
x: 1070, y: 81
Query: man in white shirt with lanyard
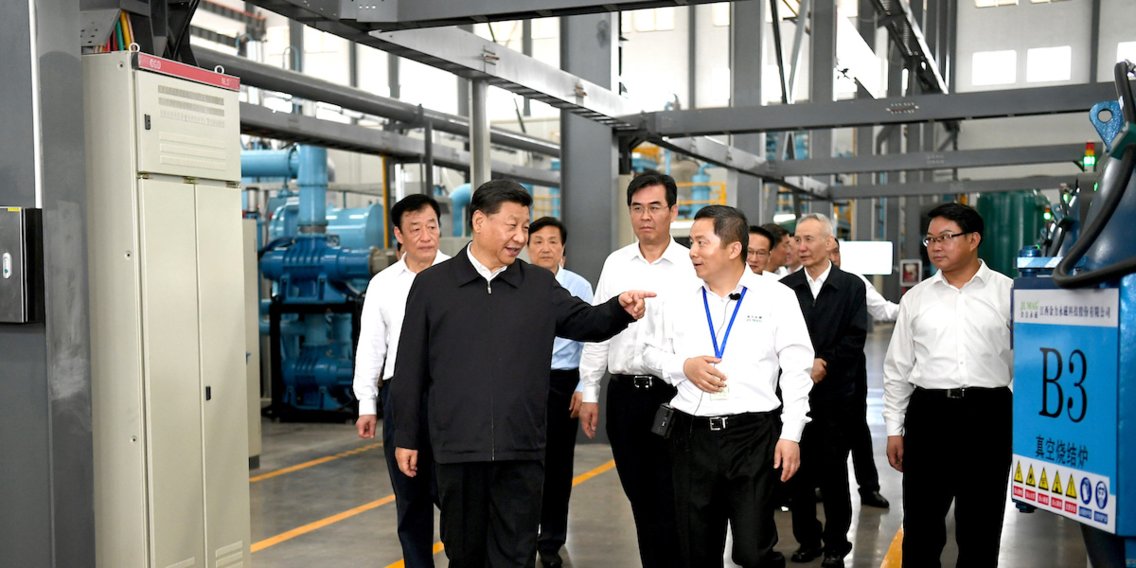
x: 726, y: 343
x: 947, y: 400
x: 657, y: 263
x: 415, y: 221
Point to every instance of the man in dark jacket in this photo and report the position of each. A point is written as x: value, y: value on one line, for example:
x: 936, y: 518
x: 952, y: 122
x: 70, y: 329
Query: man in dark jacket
x: 477, y: 344
x: 833, y: 303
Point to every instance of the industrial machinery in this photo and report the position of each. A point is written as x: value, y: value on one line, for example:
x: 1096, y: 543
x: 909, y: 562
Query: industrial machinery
x: 319, y: 262
x: 168, y: 355
x: 1074, y: 321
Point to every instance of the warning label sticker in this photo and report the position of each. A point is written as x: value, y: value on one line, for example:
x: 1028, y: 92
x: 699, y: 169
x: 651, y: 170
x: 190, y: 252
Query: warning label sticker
x: 1085, y: 497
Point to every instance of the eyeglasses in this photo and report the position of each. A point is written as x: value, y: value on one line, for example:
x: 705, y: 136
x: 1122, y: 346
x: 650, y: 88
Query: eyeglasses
x: 943, y: 238
x: 654, y: 209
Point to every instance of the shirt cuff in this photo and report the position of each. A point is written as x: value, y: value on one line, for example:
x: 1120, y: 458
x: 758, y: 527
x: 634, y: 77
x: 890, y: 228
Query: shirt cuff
x: 591, y: 393
x: 792, y: 430
x: 894, y: 428
x: 368, y: 407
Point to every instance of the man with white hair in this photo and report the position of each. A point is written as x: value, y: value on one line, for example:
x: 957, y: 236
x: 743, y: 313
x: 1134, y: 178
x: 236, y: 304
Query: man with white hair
x: 836, y: 314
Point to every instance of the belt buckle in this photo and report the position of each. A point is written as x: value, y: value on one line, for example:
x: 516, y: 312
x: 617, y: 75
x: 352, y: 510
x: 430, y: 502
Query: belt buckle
x: 956, y: 394
x: 641, y: 381
x: 718, y: 423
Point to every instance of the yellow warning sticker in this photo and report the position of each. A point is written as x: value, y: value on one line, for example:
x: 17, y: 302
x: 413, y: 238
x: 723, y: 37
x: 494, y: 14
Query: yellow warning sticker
x: 1044, y: 481
x: 1057, y: 482
x: 1071, y: 488
x: 13, y: 209
x: 1018, y: 472
x: 1029, y: 477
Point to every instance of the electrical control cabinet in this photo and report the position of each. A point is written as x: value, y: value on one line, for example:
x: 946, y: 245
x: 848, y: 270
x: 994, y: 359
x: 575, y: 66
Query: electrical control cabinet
x: 167, y: 313
x: 21, y: 265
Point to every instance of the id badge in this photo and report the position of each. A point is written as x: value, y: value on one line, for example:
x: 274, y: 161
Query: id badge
x: 723, y: 394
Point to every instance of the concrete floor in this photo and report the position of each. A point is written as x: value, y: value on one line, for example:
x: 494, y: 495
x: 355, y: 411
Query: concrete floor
x: 322, y: 497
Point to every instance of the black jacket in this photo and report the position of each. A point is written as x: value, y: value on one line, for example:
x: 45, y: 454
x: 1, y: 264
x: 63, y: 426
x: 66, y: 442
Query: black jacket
x: 838, y: 326
x: 480, y: 353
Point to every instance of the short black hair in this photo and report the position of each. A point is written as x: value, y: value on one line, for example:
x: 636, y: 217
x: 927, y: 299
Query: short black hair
x: 729, y: 224
x: 549, y: 222
x: 489, y: 197
x: 758, y: 230
x: 411, y: 203
x: 965, y: 216
x: 777, y: 231
x: 649, y: 178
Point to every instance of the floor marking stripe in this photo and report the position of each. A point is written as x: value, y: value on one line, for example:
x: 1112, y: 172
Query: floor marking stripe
x: 313, y: 463
x: 894, y: 556
x: 316, y: 525
x: 575, y: 481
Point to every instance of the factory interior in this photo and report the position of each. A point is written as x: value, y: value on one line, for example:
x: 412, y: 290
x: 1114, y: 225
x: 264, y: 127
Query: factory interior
x: 194, y: 195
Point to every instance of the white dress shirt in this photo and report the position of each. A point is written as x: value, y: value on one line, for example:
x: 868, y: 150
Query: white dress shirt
x: 947, y: 337
x: 816, y: 284
x: 879, y: 307
x: 379, y: 329
x: 481, y: 269
x: 769, y: 335
x: 626, y: 269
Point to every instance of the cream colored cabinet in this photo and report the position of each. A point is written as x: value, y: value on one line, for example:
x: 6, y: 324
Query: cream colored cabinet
x: 167, y: 315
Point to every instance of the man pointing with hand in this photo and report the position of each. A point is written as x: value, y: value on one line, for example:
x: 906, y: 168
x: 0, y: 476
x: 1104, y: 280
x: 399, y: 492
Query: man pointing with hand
x: 476, y: 344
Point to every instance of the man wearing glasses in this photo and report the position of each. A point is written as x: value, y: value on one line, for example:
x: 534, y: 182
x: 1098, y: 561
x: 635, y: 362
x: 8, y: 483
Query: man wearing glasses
x: 947, y: 401
x: 761, y: 245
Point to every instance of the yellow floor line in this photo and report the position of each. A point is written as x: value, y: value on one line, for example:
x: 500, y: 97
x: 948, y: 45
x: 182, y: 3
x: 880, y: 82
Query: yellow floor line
x: 316, y: 525
x: 575, y: 481
x: 312, y: 463
x: 894, y: 556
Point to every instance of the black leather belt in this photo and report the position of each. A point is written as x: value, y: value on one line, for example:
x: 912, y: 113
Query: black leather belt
x: 961, y: 392
x: 639, y: 381
x: 719, y: 423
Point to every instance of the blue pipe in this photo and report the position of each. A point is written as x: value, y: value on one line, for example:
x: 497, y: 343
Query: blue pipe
x: 459, y: 201
x: 270, y: 163
x: 312, y: 180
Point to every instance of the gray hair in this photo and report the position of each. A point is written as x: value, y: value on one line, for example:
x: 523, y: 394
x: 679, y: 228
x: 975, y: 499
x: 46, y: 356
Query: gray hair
x: 825, y: 223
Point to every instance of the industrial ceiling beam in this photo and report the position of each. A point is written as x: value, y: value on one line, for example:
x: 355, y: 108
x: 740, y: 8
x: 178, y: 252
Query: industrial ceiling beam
x: 404, y: 14
x: 992, y: 157
x: 262, y: 121
x: 710, y: 150
x: 900, y: 21
x: 869, y: 112
x: 845, y: 192
x: 307, y: 87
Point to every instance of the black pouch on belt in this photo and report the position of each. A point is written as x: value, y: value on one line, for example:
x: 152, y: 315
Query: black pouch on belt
x: 663, y: 421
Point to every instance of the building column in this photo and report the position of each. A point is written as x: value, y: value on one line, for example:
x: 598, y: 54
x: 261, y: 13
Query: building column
x: 590, y: 199
x: 747, y: 27
x: 479, y: 162
x: 822, y: 60
x: 47, y: 517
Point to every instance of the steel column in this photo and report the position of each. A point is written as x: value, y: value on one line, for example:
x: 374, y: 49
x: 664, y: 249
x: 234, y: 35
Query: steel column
x: 747, y: 24
x: 590, y: 199
x: 46, y: 483
x: 822, y: 60
x: 479, y: 167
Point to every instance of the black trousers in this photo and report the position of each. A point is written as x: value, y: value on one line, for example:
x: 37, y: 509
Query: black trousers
x: 490, y: 512
x: 559, y: 458
x: 863, y: 460
x: 643, y: 462
x: 825, y: 444
x: 414, y: 497
x: 947, y: 441
x: 725, y: 476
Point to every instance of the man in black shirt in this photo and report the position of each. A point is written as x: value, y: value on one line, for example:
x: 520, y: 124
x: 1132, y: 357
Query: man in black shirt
x: 476, y: 343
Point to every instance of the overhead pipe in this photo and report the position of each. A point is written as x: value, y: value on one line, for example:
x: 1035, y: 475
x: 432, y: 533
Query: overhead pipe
x: 304, y: 86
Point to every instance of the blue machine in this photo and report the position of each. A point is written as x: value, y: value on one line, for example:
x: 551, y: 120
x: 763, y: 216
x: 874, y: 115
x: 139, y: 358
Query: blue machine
x: 318, y: 263
x: 1074, y: 312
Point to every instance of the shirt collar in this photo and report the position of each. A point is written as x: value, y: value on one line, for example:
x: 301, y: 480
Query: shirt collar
x: 673, y: 253
x: 983, y: 275
x: 401, y: 265
x: 466, y: 272
x: 820, y: 279
x: 748, y: 280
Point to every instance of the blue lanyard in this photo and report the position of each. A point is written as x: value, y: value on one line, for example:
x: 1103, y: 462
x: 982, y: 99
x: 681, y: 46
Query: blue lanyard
x: 710, y: 323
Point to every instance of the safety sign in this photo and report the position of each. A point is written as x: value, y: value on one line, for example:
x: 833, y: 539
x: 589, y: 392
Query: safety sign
x: 1079, y: 495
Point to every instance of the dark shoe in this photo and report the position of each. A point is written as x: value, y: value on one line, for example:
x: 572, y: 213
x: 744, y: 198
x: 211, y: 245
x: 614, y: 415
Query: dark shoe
x: 874, y: 499
x: 551, y: 560
x: 806, y: 554
x: 832, y: 561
